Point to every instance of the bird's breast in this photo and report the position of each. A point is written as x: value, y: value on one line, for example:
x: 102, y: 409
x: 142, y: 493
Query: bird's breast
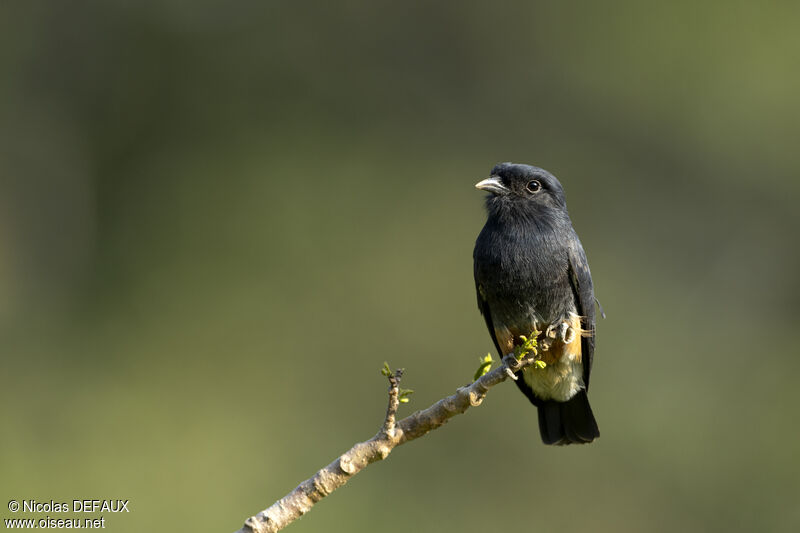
x: 524, y: 278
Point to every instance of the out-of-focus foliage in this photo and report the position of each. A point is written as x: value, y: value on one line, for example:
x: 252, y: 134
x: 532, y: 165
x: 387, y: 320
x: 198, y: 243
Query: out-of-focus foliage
x: 218, y: 219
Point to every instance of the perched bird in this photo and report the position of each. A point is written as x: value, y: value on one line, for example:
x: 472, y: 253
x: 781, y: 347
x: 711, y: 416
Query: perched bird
x: 531, y: 274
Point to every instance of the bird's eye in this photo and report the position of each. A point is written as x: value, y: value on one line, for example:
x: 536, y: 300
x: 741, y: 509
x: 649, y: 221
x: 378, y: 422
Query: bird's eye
x: 533, y: 186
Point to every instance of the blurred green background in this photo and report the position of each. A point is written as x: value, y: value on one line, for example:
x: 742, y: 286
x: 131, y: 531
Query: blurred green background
x: 217, y: 220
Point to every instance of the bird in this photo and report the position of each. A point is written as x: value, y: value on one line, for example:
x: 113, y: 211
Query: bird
x: 532, y: 275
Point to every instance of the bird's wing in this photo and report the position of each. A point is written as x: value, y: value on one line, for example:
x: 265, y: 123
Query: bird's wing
x: 483, y: 306
x: 581, y: 281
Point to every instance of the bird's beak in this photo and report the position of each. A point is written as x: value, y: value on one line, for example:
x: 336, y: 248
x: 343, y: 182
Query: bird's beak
x: 493, y: 185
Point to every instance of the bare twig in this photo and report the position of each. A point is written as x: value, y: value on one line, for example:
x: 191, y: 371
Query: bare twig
x: 298, y: 502
x: 394, y: 403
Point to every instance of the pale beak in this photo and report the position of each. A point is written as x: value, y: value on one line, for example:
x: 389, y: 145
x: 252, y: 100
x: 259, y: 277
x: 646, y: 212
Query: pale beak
x: 493, y: 185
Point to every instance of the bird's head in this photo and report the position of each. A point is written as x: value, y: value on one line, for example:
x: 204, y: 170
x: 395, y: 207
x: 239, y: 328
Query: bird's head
x: 522, y: 190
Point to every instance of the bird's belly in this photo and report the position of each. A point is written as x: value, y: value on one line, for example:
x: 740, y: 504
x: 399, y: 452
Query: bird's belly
x: 562, y: 377
x: 558, y: 381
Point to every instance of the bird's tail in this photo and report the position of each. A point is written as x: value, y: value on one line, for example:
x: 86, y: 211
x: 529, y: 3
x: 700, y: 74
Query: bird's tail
x: 570, y: 422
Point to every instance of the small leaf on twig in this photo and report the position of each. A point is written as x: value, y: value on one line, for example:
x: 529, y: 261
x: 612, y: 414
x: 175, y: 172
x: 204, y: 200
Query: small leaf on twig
x: 386, y: 371
x: 528, y: 346
x: 486, y: 364
x: 403, y: 395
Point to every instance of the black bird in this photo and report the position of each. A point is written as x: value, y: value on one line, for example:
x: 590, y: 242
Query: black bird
x: 531, y: 274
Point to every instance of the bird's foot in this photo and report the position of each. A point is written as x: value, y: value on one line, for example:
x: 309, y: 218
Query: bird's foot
x: 508, y: 360
x: 567, y: 333
x: 560, y: 331
x: 549, y: 336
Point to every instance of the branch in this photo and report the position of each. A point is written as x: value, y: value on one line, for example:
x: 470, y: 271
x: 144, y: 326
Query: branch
x: 298, y: 502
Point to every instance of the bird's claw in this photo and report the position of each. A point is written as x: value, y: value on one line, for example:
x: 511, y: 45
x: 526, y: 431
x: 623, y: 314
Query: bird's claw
x: 567, y: 333
x: 561, y: 331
